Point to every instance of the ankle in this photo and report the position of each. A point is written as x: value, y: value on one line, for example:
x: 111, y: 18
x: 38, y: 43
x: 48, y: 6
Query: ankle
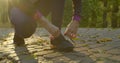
x: 18, y: 40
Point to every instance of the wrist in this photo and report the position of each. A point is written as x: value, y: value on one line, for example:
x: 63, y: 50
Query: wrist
x: 38, y: 15
x: 76, y: 18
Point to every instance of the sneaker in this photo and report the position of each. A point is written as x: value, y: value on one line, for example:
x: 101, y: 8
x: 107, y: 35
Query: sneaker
x: 61, y: 44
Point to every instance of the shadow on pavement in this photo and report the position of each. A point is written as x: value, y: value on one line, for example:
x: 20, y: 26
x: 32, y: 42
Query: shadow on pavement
x: 24, y: 55
x: 78, y: 57
x: 69, y: 57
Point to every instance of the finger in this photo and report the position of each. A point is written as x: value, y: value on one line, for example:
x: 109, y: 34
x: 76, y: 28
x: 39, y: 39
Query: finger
x: 73, y: 35
x: 67, y: 32
x: 52, y: 37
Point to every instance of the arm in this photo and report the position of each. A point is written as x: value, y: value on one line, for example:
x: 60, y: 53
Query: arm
x: 77, y: 6
x: 72, y: 28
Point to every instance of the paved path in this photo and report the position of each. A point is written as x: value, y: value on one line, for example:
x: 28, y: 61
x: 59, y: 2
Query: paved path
x: 91, y: 46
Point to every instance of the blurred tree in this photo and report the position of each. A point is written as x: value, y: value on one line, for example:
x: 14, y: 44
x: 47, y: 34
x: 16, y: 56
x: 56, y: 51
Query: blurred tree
x: 4, y: 11
x: 95, y: 13
x: 105, y: 4
x: 115, y: 10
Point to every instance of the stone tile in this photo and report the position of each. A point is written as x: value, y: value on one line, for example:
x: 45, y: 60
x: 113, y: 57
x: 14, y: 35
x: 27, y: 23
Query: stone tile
x: 100, y: 62
x: 81, y: 48
x: 60, y: 59
x: 86, y: 50
x: 106, y: 61
x: 114, y: 51
x: 102, y: 55
x: 12, y: 55
x: 52, y: 55
x: 87, y: 60
x: 79, y: 61
x: 106, y: 47
x: 27, y: 59
x: 95, y: 46
x: 115, y: 58
x: 43, y: 53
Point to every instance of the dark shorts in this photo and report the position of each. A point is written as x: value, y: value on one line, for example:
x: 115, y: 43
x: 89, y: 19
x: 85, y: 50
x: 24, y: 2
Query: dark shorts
x: 24, y: 25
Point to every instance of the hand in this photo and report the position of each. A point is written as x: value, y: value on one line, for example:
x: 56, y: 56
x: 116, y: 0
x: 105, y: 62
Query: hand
x: 71, y: 30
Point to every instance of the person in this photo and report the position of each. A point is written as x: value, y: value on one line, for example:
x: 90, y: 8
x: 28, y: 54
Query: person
x: 21, y: 16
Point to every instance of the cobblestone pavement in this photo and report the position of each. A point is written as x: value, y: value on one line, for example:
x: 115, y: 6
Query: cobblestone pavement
x: 91, y: 46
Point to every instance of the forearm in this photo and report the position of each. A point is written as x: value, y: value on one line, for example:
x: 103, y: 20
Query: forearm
x: 43, y: 22
x: 47, y: 25
x: 77, y: 6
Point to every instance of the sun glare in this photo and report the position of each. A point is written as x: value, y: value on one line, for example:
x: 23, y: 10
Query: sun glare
x: 4, y: 1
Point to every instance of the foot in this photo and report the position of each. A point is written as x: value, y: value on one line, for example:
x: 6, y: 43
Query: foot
x: 18, y: 41
x: 61, y: 44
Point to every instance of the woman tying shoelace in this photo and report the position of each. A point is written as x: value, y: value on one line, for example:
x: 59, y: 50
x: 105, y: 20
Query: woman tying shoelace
x: 24, y: 14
